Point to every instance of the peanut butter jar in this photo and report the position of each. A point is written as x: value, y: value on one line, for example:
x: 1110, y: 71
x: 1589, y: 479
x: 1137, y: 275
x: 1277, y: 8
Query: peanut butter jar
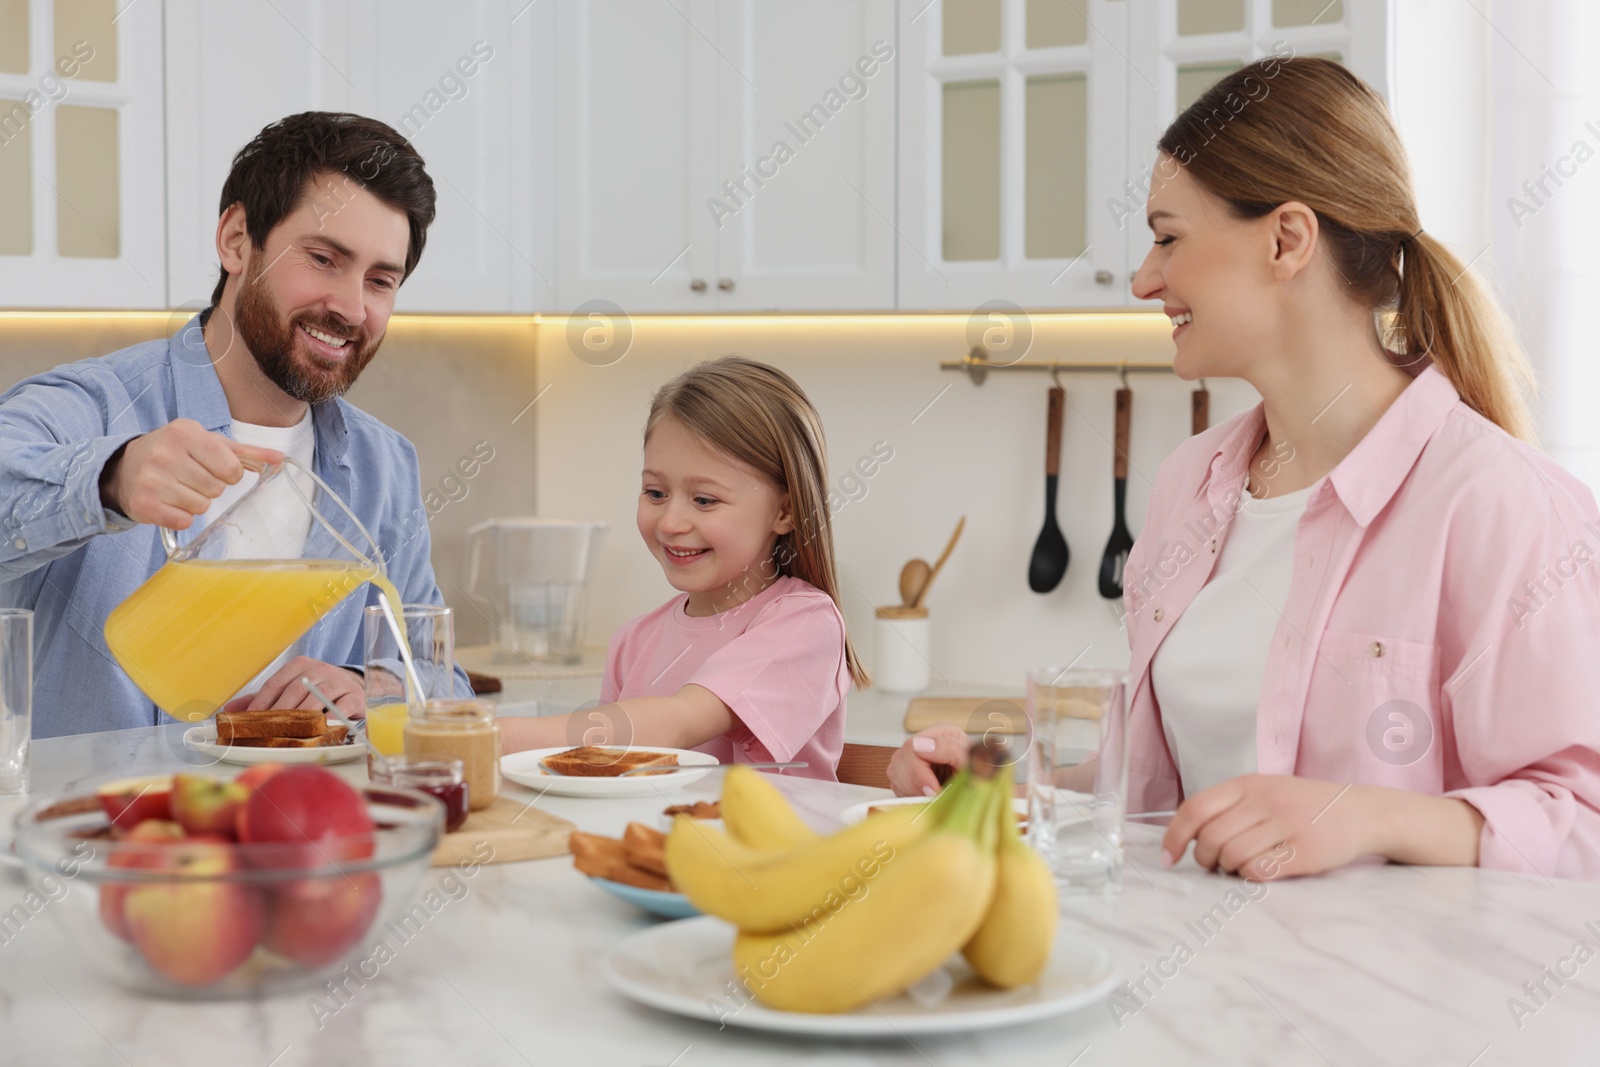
x: 460, y: 729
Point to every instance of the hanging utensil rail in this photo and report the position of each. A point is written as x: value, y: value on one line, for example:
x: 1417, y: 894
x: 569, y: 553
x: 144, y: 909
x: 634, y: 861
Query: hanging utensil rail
x: 977, y: 366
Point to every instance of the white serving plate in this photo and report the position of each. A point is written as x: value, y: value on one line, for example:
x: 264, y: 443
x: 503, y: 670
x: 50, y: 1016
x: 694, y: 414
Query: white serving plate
x: 856, y: 812
x: 686, y: 968
x: 524, y: 769
x: 203, y: 739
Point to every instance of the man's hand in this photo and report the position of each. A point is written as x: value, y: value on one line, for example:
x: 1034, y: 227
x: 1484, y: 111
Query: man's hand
x: 911, y: 768
x: 168, y: 476
x: 346, y: 689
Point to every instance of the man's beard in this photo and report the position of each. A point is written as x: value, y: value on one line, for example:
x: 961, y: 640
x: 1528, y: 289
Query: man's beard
x: 273, y: 341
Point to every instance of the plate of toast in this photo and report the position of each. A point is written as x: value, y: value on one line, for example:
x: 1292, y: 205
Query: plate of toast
x: 632, y: 868
x: 274, y: 735
x: 600, y: 771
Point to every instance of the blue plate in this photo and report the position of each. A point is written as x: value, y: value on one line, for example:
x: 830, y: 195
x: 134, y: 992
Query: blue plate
x: 667, y: 905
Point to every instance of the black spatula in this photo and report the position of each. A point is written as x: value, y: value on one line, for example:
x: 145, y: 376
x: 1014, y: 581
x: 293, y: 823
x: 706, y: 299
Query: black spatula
x: 1121, y: 542
x: 1050, y: 553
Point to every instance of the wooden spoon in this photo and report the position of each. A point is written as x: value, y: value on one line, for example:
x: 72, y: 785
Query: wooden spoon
x: 914, y: 577
x: 939, y: 564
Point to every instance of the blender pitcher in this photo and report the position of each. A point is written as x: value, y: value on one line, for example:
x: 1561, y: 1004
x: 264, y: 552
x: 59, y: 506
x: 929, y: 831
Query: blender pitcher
x: 530, y: 577
x: 255, y: 579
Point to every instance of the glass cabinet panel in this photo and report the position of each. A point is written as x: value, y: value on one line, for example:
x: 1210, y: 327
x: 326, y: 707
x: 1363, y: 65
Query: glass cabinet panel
x: 971, y: 26
x: 88, y: 216
x: 1056, y: 23
x: 1196, y: 78
x: 16, y: 189
x: 13, y: 36
x: 1307, y: 12
x: 87, y: 24
x: 1209, y: 16
x: 971, y: 169
x: 1057, y: 137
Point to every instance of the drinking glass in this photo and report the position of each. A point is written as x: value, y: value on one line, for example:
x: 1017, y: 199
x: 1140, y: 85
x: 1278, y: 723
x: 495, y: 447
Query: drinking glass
x: 1078, y: 775
x: 16, y: 698
x: 430, y: 631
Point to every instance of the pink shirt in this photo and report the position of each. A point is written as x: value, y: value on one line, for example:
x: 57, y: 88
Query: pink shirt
x: 1440, y: 632
x: 777, y: 661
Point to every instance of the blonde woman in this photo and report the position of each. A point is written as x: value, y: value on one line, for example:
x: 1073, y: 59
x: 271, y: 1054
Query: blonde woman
x: 750, y: 661
x: 1363, y: 615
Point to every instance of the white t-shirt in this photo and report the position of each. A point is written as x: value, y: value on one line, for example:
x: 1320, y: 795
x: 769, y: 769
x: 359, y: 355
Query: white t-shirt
x: 280, y: 528
x: 1207, y: 672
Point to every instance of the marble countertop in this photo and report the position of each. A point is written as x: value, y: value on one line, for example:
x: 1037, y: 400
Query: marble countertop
x: 1370, y: 965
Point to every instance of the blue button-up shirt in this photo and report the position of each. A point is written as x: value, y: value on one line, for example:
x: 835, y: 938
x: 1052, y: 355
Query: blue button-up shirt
x: 72, y: 560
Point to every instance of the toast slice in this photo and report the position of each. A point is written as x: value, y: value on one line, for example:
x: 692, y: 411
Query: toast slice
x: 335, y: 735
x: 700, y: 809
x: 646, y: 848
x: 607, y: 857
x: 591, y: 761
x: 271, y: 722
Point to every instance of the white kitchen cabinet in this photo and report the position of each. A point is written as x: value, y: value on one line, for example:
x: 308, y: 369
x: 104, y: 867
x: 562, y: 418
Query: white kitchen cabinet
x: 464, y: 83
x: 1178, y: 48
x: 726, y: 156
x: 1013, y: 134
x: 81, y: 171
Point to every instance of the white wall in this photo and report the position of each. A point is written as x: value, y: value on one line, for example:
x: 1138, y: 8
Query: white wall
x: 978, y: 451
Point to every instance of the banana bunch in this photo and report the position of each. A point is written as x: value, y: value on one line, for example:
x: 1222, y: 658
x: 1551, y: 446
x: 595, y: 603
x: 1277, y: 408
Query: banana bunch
x: 826, y: 924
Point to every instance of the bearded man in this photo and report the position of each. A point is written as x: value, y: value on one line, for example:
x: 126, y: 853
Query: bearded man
x: 323, y: 216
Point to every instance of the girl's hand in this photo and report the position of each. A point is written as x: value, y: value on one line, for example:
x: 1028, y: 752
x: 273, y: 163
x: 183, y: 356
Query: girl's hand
x: 1265, y: 826
x: 911, y: 768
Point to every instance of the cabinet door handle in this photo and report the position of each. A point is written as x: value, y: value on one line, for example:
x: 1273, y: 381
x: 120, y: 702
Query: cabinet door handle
x: 1103, y: 277
x: 698, y: 285
x: 725, y: 284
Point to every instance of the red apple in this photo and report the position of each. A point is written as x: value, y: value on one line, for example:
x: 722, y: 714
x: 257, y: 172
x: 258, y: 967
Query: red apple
x: 316, y: 921
x: 203, y: 805
x: 196, y: 928
x: 315, y: 815
x: 134, y: 851
x: 132, y: 800
x: 260, y: 772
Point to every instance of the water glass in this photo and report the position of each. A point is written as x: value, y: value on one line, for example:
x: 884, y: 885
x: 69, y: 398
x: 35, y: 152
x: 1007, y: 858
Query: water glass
x: 16, y: 698
x: 1077, y: 774
x: 430, y: 631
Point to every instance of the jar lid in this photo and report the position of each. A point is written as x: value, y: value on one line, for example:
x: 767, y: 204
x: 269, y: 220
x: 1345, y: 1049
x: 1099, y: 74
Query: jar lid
x: 463, y: 713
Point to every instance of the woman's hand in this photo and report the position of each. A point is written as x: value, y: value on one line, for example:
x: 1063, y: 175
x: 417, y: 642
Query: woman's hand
x: 911, y: 768
x: 1266, y: 826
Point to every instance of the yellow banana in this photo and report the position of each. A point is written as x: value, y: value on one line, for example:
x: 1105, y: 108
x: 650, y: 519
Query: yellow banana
x: 899, y: 927
x: 756, y: 813
x: 1013, y: 945
x: 760, y: 889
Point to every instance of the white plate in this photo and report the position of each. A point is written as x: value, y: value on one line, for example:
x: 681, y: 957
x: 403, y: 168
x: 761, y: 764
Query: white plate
x: 686, y: 968
x: 523, y: 768
x: 856, y: 812
x: 203, y: 739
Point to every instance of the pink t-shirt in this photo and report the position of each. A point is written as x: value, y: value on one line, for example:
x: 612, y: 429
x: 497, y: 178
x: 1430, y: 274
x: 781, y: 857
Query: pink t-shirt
x: 777, y: 661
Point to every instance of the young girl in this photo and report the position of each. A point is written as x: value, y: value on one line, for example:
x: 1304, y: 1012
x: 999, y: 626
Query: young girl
x: 1362, y: 616
x: 751, y: 661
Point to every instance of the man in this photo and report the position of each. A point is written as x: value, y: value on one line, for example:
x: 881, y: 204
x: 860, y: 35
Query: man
x: 324, y: 215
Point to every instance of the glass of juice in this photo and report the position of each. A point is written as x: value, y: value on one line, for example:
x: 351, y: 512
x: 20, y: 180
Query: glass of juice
x: 242, y: 589
x: 430, y: 633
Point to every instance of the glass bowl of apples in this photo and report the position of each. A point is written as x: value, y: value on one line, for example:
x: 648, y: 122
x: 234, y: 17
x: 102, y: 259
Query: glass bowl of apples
x: 192, y: 886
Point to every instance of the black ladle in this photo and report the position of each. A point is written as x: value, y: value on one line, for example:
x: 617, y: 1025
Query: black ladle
x: 1050, y: 553
x: 1121, y: 542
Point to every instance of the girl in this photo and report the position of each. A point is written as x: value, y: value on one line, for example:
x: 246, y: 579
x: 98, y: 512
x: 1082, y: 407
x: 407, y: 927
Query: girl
x: 751, y: 661
x: 1362, y: 615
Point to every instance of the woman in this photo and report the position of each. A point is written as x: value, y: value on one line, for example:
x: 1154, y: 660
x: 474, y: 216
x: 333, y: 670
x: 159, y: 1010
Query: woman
x: 1363, y: 615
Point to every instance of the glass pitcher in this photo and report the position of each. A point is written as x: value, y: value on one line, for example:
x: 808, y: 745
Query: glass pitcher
x: 226, y: 604
x: 530, y: 576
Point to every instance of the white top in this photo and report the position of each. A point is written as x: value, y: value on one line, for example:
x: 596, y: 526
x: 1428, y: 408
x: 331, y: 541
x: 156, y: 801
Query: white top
x: 279, y: 528
x: 1207, y: 672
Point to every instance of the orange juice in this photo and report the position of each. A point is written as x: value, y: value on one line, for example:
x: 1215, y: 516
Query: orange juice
x: 386, y: 725
x: 199, y: 630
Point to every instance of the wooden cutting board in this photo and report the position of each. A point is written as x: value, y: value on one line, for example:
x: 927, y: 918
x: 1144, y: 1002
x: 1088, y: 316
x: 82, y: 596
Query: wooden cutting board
x: 975, y: 715
x: 513, y: 829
